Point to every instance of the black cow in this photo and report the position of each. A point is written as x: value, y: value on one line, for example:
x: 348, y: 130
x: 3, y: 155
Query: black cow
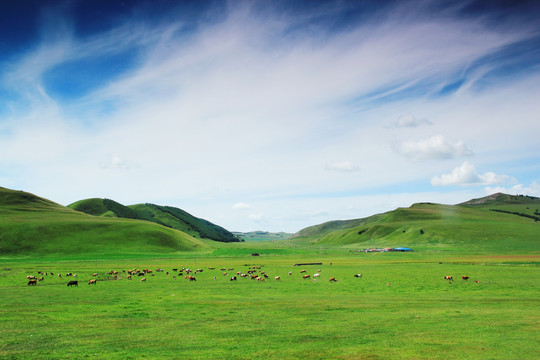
x: 233, y: 278
x: 73, y: 283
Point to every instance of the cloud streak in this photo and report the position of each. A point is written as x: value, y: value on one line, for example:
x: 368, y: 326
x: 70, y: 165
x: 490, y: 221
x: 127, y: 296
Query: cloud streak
x: 243, y: 106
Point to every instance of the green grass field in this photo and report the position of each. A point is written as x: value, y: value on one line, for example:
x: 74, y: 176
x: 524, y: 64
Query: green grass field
x: 401, y: 308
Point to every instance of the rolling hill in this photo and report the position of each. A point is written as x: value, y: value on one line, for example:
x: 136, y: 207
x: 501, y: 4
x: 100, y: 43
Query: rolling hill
x: 163, y: 215
x: 31, y: 225
x: 498, y: 222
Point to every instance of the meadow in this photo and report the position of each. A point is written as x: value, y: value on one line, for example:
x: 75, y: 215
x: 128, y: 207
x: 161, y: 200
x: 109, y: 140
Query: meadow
x: 401, y: 308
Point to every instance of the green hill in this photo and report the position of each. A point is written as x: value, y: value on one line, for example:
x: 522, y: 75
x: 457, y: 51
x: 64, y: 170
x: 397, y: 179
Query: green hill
x: 163, y: 215
x: 30, y: 225
x: 498, y: 222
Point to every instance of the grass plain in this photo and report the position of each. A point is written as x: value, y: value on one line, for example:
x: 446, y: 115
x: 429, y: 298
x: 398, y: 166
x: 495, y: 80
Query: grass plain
x: 401, y: 308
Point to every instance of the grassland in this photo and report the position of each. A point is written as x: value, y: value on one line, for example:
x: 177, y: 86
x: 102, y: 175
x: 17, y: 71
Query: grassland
x: 400, y: 309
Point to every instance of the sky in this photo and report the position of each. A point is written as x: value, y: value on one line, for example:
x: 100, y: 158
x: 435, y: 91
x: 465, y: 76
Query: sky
x: 270, y: 115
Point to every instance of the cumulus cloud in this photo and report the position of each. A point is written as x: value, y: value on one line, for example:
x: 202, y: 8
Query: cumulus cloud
x: 410, y: 121
x: 434, y: 148
x: 342, y: 166
x: 467, y: 175
x: 241, y: 206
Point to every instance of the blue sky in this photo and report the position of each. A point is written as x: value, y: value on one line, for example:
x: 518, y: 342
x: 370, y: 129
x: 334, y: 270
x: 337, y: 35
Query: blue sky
x: 270, y: 115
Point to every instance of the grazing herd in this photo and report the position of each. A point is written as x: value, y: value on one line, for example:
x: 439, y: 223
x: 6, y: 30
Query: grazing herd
x: 253, y: 273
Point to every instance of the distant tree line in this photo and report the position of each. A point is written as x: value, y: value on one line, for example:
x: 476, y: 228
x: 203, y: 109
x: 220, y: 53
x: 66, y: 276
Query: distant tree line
x: 535, y: 218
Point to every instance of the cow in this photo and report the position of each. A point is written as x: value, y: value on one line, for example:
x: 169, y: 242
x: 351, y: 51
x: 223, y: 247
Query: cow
x: 290, y: 273
x: 32, y: 282
x: 464, y: 277
x: 306, y: 277
x: 302, y: 271
x: 191, y: 278
x: 95, y: 274
x: 449, y: 278
x: 143, y: 279
x: 333, y: 279
x: 316, y: 275
x: 93, y: 281
x: 260, y: 279
x: 128, y: 277
x: 277, y: 278
x: 233, y: 278
x: 73, y: 283
x: 41, y: 278
x: 31, y: 277
x: 477, y: 281
x: 358, y: 275
x: 140, y: 274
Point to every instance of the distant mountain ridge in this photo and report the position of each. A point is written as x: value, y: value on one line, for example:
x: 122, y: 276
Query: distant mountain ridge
x: 163, y: 215
x: 490, y: 221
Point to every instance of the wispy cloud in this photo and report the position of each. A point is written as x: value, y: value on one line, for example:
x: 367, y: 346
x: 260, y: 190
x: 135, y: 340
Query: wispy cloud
x: 343, y: 166
x: 407, y: 121
x: 247, y: 104
x: 241, y: 206
x: 434, y: 148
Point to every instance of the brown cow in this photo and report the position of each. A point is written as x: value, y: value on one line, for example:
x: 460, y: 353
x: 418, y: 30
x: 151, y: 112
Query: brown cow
x: 93, y: 281
x: 191, y: 278
x: 277, y: 278
x: 95, y: 274
x: 333, y: 279
x: 32, y: 282
x: 302, y: 271
x: 449, y: 278
x: 306, y: 277
x: 464, y: 277
x: 143, y: 279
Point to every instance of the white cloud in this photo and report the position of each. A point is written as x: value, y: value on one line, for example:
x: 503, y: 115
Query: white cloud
x: 466, y: 175
x: 250, y: 106
x: 342, y: 166
x: 433, y: 148
x: 405, y: 121
x: 241, y: 206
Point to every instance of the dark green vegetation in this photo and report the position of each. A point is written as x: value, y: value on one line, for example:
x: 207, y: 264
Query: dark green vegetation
x: 164, y: 215
x: 262, y: 236
x: 478, y: 225
x: 30, y: 226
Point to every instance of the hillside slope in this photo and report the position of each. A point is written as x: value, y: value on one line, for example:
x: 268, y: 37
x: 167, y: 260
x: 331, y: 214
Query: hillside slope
x: 163, y: 215
x: 31, y: 225
x: 499, y: 222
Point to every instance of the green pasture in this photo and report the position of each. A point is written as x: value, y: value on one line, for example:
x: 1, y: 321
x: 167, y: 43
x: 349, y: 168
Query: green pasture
x: 401, y: 308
